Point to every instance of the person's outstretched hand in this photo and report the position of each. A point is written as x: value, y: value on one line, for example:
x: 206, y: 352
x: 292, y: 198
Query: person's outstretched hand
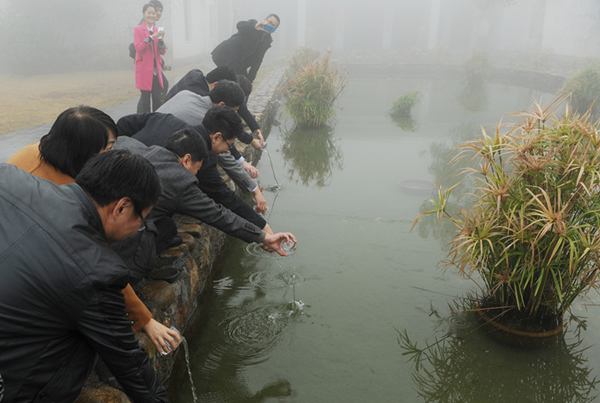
x: 159, y: 334
x: 273, y: 242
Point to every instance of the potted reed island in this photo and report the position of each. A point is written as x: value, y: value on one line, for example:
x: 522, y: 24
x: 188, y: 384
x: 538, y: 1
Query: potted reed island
x: 532, y: 233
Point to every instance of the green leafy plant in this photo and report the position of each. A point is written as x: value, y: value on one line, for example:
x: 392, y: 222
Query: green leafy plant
x: 311, y: 91
x: 533, y: 232
x: 584, y: 88
x: 477, y: 66
x: 403, y: 105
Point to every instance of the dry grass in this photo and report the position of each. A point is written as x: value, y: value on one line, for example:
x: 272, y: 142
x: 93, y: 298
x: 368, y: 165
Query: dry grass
x: 31, y: 101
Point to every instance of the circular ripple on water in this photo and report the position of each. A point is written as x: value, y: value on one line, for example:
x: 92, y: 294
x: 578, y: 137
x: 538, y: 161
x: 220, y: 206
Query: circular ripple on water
x: 275, y: 279
x: 255, y: 250
x: 251, y: 335
x: 458, y: 322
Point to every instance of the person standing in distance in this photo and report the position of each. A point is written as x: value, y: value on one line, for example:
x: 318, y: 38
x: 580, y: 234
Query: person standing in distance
x: 148, y: 74
x: 246, y: 48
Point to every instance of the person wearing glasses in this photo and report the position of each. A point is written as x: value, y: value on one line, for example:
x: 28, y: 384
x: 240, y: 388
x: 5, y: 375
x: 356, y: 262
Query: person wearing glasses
x: 184, y: 157
x: 244, y: 51
x: 61, y: 305
x: 77, y: 135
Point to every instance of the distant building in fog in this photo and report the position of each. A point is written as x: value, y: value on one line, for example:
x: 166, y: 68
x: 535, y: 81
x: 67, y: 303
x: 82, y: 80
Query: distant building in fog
x: 63, y: 35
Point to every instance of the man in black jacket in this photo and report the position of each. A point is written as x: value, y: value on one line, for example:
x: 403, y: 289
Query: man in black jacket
x: 246, y: 48
x: 176, y: 164
x: 155, y: 128
x: 61, y: 303
x: 196, y: 82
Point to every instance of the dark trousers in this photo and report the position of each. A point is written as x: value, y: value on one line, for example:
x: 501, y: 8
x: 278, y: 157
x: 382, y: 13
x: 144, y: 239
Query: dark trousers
x: 156, y: 95
x: 167, y: 230
x: 165, y: 88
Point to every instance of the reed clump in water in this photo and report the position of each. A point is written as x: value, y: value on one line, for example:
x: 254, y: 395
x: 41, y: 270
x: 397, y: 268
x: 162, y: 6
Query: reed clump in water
x: 584, y: 88
x: 533, y: 234
x: 312, y: 87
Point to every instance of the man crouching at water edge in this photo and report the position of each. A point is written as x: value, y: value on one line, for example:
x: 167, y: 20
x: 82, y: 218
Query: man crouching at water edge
x: 61, y: 304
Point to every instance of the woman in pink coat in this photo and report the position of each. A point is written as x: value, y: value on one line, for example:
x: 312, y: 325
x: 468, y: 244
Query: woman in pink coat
x: 148, y: 77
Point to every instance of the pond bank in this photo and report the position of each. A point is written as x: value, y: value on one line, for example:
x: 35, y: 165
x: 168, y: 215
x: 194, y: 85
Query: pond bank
x: 546, y: 82
x: 177, y: 303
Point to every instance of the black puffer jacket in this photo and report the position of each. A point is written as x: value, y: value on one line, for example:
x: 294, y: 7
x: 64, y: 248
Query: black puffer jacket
x: 60, y: 296
x: 243, y: 50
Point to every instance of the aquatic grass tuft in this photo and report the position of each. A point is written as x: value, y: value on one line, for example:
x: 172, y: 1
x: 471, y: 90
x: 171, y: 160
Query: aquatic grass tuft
x: 402, y: 107
x: 584, y: 88
x: 533, y: 233
x: 311, y: 89
x: 477, y: 67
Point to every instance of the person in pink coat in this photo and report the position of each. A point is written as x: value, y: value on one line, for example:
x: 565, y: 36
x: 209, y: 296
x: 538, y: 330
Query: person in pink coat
x: 148, y: 77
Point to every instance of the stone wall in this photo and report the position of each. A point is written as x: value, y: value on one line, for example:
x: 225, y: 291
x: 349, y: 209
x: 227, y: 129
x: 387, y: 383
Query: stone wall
x: 177, y: 303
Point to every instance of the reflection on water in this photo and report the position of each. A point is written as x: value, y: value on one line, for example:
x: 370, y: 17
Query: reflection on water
x: 462, y: 365
x: 446, y: 171
x: 363, y: 273
x: 474, y: 96
x: 311, y: 155
x: 406, y: 123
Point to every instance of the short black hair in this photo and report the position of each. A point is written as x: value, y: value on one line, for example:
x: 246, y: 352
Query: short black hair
x: 229, y: 92
x: 220, y: 73
x: 156, y: 4
x: 276, y: 17
x: 187, y: 141
x: 148, y: 5
x: 77, y: 135
x: 225, y: 120
x: 116, y: 174
x: 245, y: 84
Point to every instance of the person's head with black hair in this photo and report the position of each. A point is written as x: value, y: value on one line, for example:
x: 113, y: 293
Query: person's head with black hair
x: 77, y: 135
x: 220, y: 73
x: 274, y: 16
x: 123, y: 187
x: 245, y: 84
x: 223, y: 125
x: 228, y: 93
x: 189, y: 147
x: 158, y: 6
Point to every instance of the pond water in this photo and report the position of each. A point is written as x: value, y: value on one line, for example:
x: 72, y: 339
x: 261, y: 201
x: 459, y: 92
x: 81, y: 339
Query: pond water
x: 327, y: 323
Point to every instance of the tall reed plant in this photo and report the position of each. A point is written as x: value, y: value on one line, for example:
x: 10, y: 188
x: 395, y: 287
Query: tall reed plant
x: 533, y: 234
x: 311, y: 91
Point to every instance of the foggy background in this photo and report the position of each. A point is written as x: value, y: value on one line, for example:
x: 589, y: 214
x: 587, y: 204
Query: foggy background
x: 60, y: 36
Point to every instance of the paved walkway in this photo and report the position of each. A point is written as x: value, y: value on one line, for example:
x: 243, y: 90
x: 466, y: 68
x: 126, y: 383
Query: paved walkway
x: 12, y: 142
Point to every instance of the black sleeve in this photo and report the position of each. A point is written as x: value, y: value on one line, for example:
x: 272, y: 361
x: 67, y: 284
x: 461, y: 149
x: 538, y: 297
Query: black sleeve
x: 131, y: 124
x: 257, y: 61
x: 105, y: 326
x: 246, y: 26
x: 235, y: 153
x: 248, y: 118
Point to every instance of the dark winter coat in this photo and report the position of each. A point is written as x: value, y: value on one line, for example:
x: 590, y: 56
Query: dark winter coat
x: 243, y: 50
x: 60, y: 296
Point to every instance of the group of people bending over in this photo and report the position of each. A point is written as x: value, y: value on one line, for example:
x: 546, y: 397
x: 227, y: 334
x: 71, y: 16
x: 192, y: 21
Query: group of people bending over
x: 69, y: 253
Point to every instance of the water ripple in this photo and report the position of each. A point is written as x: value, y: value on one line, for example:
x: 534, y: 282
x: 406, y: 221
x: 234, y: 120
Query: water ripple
x: 270, y: 279
x: 255, y: 250
x: 249, y: 336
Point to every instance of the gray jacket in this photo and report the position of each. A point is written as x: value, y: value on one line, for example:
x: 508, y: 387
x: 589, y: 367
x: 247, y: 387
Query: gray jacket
x: 181, y: 194
x: 191, y: 108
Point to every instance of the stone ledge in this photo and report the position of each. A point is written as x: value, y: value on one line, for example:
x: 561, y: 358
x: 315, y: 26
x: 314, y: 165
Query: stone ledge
x: 174, y: 304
